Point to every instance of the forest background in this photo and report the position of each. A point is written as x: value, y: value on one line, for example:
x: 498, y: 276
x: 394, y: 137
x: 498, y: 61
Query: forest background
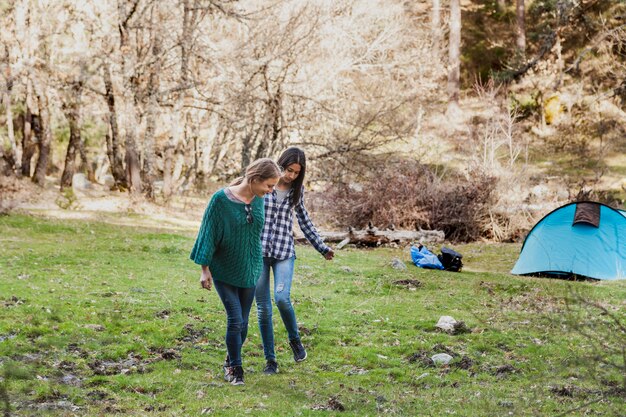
x: 471, y: 117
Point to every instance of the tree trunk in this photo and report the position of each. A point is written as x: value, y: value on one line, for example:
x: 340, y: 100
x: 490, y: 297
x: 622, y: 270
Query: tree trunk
x: 45, y: 140
x: 31, y: 127
x: 173, y: 147
x: 560, y: 65
x: 113, y: 137
x: 86, y: 165
x: 374, y: 237
x: 521, y: 29
x: 435, y: 24
x: 32, y: 130
x: 454, y: 53
x: 129, y: 112
x: 72, y: 114
x: 153, y: 109
x: 16, y: 152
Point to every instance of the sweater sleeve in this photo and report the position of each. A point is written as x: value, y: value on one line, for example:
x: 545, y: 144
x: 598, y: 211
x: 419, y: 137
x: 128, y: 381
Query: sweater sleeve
x: 209, y: 235
x: 308, y: 228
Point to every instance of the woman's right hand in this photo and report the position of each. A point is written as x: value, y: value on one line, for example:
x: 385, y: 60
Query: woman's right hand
x: 206, y: 280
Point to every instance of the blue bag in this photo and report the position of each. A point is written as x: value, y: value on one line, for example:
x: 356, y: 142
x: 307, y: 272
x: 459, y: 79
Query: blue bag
x: 424, y: 258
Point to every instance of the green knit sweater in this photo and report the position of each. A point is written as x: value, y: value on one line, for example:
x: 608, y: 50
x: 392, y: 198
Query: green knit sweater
x: 228, y: 244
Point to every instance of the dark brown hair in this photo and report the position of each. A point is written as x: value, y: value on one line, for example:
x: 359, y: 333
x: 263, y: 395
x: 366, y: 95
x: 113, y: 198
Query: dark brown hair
x: 291, y: 156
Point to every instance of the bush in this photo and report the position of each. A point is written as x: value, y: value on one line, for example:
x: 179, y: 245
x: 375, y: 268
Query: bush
x: 410, y: 195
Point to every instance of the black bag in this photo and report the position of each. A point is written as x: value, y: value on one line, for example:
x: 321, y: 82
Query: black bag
x: 450, y: 259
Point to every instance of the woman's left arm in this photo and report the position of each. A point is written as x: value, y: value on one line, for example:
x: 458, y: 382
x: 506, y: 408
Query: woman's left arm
x: 309, y: 230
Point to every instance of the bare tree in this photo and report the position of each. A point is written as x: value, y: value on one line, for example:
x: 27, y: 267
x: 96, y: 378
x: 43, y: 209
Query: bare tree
x: 71, y: 109
x: 16, y: 151
x: 435, y: 23
x: 171, y: 168
x: 153, y: 105
x: 129, y: 117
x: 114, y: 151
x: 454, y: 54
x: 45, y: 138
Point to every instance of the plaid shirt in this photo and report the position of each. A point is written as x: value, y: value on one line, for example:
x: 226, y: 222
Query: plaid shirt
x: 277, y: 236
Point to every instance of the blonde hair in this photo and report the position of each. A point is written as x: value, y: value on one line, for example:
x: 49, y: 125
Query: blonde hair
x: 259, y: 170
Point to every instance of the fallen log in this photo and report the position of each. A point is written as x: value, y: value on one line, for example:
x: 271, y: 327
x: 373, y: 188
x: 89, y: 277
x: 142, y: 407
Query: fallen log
x: 373, y: 237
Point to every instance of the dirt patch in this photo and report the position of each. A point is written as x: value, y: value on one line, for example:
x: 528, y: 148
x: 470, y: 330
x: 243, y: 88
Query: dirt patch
x: 422, y: 357
x: 133, y: 364
x: 408, y: 283
x: 163, y: 314
x: 97, y: 203
x: 77, y: 350
x: 13, y: 301
x: 192, y: 335
x: 71, y: 380
x: 464, y: 363
x: 459, y: 361
x: 49, y: 406
x: 333, y: 404
x: 97, y: 395
x: 165, y: 354
x: 503, y: 371
x: 304, y: 330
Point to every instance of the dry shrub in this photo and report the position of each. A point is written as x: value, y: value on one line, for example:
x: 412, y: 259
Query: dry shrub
x: 410, y: 195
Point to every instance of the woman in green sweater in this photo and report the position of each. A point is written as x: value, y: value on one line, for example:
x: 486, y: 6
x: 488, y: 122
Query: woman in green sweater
x: 228, y: 248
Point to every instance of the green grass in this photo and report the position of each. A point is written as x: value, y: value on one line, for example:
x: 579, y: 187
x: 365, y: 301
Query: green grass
x: 98, y: 319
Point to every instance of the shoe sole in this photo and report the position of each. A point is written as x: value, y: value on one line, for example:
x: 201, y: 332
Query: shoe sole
x: 237, y: 383
x: 301, y: 360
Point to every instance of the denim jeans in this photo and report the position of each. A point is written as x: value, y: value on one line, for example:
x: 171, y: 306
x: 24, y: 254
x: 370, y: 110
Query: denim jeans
x: 283, y: 275
x: 237, y: 303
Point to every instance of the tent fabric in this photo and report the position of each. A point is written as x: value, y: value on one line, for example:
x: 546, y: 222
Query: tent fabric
x: 556, y: 246
x: 587, y: 213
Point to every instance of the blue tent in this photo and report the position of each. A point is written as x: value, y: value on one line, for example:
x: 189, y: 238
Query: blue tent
x: 585, y: 239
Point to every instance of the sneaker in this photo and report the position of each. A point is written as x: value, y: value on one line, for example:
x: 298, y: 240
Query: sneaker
x: 299, y: 353
x: 237, y: 375
x: 228, y: 370
x: 271, y: 368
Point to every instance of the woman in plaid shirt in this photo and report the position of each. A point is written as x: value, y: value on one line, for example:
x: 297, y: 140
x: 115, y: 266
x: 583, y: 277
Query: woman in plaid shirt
x: 279, y: 254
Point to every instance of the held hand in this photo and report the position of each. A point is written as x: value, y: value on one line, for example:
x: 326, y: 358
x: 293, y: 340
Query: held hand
x: 206, y: 281
x: 329, y: 255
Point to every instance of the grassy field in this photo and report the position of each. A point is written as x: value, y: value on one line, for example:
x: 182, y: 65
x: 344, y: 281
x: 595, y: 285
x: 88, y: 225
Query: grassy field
x: 98, y: 320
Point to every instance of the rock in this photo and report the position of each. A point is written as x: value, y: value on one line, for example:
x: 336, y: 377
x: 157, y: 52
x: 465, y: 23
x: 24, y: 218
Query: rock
x: 80, y: 182
x: 446, y: 323
x: 441, y: 359
x: 346, y: 269
x: 398, y: 264
x: 96, y: 327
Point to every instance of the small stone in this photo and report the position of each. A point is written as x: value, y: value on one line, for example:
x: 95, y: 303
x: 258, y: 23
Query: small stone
x: 446, y: 323
x: 398, y: 264
x: 441, y: 359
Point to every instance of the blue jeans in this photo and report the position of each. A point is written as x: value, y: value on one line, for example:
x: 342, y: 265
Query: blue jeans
x: 283, y: 275
x: 237, y: 303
